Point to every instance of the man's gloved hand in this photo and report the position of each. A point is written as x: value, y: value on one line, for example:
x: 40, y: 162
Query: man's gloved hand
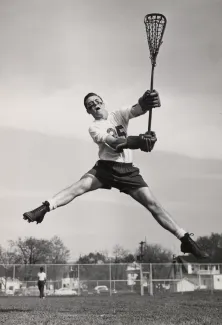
x: 149, y: 100
x: 144, y: 142
x: 148, y: 141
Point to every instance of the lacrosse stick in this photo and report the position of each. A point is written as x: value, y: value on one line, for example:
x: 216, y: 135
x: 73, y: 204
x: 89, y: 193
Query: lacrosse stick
x: 155, y: 27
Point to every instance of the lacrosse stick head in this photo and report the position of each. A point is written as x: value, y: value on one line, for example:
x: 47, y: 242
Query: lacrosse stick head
x: 155, y: 27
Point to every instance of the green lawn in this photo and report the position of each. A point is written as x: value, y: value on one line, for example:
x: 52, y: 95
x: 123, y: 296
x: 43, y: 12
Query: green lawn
x: 200, y: 308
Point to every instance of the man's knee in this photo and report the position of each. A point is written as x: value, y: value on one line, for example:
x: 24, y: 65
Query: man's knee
x: 153, y: 206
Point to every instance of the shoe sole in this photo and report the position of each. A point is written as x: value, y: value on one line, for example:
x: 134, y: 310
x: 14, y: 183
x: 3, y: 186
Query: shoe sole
x: 200, y: 257
x: 26, y: 216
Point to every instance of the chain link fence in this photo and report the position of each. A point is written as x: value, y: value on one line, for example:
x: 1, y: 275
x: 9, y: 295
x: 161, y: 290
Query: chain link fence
x: 110, y: 279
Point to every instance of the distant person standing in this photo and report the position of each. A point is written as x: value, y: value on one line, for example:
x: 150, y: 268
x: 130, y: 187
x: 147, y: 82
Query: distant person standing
x: 41, y: 282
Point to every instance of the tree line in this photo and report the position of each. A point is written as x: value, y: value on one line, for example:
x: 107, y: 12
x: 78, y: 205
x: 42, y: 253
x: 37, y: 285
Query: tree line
x: 31, y: 250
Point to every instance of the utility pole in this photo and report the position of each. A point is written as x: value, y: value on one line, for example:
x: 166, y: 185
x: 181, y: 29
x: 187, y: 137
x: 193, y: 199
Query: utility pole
x: 141, y: 269
x: 141, y: 251
x: 174, y: 267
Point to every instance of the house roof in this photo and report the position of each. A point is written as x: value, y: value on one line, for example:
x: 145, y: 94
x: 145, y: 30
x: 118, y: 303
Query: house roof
x: 189, y: 280
x: 192, y: 259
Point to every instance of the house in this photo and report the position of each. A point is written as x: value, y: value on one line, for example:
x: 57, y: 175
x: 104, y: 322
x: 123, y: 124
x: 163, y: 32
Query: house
x: 133, y: 271
x: 71, y: 283
x: 203, y: 274
x: 182, y: 285
x: 9, y: 285
x: 217, y: 282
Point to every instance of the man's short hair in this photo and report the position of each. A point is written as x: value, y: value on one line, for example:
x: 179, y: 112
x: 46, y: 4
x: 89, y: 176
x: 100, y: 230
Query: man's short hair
x: 90, y: 95
x: 41, y: 269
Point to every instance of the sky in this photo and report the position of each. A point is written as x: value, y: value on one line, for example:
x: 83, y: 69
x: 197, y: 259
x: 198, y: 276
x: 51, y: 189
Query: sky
x: 52, y: 54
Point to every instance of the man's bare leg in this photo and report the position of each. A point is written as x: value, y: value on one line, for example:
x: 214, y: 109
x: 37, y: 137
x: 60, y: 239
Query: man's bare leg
x: 145, y: 197
x: 86, y: 184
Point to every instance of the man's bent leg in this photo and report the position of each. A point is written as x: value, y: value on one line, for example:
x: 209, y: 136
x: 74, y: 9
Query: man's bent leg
x: 87, y: 183
x: 145, y: 197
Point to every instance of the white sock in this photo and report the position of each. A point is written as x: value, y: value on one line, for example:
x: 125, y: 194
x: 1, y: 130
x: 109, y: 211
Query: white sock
x: 52, y: 204
x: 180, y: 233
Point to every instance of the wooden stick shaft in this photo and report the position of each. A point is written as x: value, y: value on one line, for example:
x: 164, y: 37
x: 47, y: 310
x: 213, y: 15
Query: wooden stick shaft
x: 151, y: 89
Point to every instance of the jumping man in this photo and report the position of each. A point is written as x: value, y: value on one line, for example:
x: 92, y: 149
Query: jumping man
x: 115, y: 168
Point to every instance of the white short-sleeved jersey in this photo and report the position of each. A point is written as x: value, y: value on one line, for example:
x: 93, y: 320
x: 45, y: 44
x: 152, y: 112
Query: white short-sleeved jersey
x: 116, y: 125
x: 41, y: 276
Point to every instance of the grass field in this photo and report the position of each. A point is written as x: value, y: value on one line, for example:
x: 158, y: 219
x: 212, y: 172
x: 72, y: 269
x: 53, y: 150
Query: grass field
x: 200, y: 308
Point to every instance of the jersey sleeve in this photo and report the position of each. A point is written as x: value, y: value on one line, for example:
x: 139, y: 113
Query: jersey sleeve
x: 98, y: 134
x: 131, y: 112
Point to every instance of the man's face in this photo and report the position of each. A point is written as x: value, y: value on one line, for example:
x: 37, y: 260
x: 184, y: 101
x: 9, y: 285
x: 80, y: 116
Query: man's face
x: 96, y: 107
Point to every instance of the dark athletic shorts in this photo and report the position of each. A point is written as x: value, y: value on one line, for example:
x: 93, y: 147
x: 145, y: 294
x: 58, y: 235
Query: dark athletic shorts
x: 123, y: 176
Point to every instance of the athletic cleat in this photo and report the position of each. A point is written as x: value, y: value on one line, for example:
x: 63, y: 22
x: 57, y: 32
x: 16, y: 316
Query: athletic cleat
x: 189, y: 246
x: 37, y: 214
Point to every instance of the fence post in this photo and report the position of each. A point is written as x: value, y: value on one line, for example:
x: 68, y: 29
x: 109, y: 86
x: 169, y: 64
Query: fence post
x: 151, y: 280
x: 13, y: 272
x: 181, y: 278
x: 141, y: 280
x: 78, y: 280
x: 199, y: 277
x: 212, y: 279
x: 110, y: 279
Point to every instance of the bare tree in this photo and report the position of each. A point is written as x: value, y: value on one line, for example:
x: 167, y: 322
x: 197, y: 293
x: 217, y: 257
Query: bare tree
x: 6, y: 267
x: 155, y: 253
x: 122, y: 255
x: 37, y: 251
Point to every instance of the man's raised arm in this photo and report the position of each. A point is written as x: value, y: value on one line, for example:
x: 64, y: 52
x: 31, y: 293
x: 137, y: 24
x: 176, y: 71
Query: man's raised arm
x: 145, y: 103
